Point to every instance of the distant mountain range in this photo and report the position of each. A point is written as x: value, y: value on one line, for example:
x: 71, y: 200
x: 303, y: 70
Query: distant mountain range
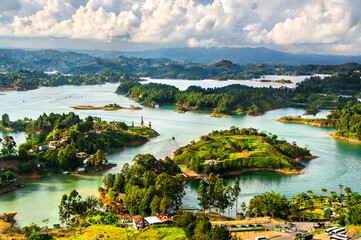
x: 166, y: 62
x: 236, y: 55
x: 42, y: 60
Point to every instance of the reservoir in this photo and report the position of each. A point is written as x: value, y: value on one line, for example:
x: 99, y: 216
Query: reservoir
x: 339, y: 161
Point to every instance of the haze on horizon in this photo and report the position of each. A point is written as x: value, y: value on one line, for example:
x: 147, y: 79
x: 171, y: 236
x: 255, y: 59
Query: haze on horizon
x: 312, y: 26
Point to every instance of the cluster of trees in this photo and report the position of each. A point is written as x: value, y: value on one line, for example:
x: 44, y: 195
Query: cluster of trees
x: 26, y: 80
x: 214, y: 192
x: 347, y: 120
x: 236, y: 148
x: 243, y: 99
x: 150, y: 185
x: 199, y: 227
x: 234, y: 98
x: 74, y: 206
x: 346, y: 84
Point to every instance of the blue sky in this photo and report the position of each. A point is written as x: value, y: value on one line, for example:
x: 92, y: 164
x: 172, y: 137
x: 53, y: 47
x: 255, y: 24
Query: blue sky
x: 316, y: 26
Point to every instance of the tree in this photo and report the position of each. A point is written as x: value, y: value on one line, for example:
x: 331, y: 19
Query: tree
x: 141, y: 121
x: 67, y: 158
x: 219, y: 233
x: 155, y: 205
x: 40, y: 236
x: 5, y: 119
x: 73, y: 205
x: 108, y: 180
x: 203, y: 196
x: 9, y: 147
x: 324, y: 190
x: 100, y: 156
x: 203, y: 227
x: 236, y: 191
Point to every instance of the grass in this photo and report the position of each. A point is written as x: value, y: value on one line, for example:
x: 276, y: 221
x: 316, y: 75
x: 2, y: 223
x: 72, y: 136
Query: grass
x: 111, y: 232
x: 251, y: 151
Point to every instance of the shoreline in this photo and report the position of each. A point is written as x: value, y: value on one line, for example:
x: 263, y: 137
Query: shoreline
x: 305, y: 122
x: 193, y: 175
x: 103, y: 108
x: 343, y: 138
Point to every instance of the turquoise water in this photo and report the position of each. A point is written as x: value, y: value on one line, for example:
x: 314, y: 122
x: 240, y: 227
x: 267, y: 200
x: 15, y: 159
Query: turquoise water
x: 338, y: 162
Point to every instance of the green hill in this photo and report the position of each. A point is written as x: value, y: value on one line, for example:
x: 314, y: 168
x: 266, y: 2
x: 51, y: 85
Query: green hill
x: 240, y: 149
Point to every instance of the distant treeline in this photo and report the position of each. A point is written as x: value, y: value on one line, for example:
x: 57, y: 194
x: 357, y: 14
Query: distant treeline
x: 26, y: 80
x: 250, y: 100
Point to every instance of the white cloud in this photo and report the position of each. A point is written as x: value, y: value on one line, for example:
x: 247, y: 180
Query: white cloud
x: 334, y: 24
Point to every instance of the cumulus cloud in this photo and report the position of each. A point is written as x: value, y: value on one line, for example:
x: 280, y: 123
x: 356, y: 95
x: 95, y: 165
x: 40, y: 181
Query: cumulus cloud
x: 331, y: 23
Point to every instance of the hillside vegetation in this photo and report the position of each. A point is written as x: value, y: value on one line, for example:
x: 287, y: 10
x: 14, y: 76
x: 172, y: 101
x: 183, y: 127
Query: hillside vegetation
x: 238, y: 149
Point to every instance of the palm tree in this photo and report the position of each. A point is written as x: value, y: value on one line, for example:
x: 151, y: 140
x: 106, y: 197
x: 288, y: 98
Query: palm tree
x: 340, y: 186
x: 324, y: 190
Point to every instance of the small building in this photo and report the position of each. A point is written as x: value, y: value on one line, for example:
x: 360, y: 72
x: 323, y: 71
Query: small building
x: 139, y: 222
x: 41, y: 164
x: 54, y: 144
x: 42, y: 148
x: 143, y: 127
x: 33, y: 150
x: 164, y: 218
x: 114, y: 128
x: 153, y: 220
x: 81, y: 155
x: 211, y: 162
x: 80, y: 170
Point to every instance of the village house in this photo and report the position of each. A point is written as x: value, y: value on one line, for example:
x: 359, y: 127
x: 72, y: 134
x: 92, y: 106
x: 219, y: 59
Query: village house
x: 54, y: 144
x: 211, y: 162
x: 81, y: 155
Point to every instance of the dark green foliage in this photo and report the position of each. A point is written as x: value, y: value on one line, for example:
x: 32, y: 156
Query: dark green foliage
x: 40, y: 236
x: 73, y: 205
x: 124, y: 87
x: 269, y: 204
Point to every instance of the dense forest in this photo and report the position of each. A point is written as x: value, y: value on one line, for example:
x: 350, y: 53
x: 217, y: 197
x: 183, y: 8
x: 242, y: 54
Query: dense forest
x: 26, y: 80
x: 346, y: 118
x: 313, y: 93
x: 234, y: 98
x: 238, y: 149
x: 62, y: 142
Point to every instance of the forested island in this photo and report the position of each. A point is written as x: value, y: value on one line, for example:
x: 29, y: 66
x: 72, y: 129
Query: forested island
x: 240, y: 99
x: 108, y: 107
x: 65, y: 143
x: 28, y: 80
x: 347, y: 120
x: 236, y: 151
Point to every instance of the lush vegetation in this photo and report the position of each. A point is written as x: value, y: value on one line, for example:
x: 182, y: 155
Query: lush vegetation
x: 26, y: 80
x: 346, y: 119
x: 238, y: 149
x: 234, y: 98
x: 150, y: 185
x: 54, y: 140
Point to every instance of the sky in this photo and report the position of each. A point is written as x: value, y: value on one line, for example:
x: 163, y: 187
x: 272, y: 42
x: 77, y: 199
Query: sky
x: 312, y: 26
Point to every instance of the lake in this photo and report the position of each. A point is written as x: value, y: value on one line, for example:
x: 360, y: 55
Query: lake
x: 338, y: 162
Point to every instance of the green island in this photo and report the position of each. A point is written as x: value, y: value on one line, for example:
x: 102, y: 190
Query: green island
x: 319, y: 122
x: 64, y: 143
x: 28, y: 80
x: 347, y: 121
x: 283, y: 81
x: 239, y: 99
x: 236, y: 151
x: 108, y: 107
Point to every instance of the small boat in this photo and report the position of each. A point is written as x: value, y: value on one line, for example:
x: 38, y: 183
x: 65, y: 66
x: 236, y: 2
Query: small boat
x: 66, y: 173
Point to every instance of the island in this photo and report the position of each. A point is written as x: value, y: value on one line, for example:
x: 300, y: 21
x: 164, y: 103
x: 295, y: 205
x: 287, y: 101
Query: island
x: 319, y: 122
x: 240, y: 99
x: 64, y: 143
x: 237, y: 151
x: 346, y: 120
x: 108, y: 107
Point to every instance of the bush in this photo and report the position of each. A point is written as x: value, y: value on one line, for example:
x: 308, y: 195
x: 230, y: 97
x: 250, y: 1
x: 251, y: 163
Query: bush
x: 40, y: 236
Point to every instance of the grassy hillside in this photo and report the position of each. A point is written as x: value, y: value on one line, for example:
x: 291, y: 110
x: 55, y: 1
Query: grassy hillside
x: 236, y: 149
